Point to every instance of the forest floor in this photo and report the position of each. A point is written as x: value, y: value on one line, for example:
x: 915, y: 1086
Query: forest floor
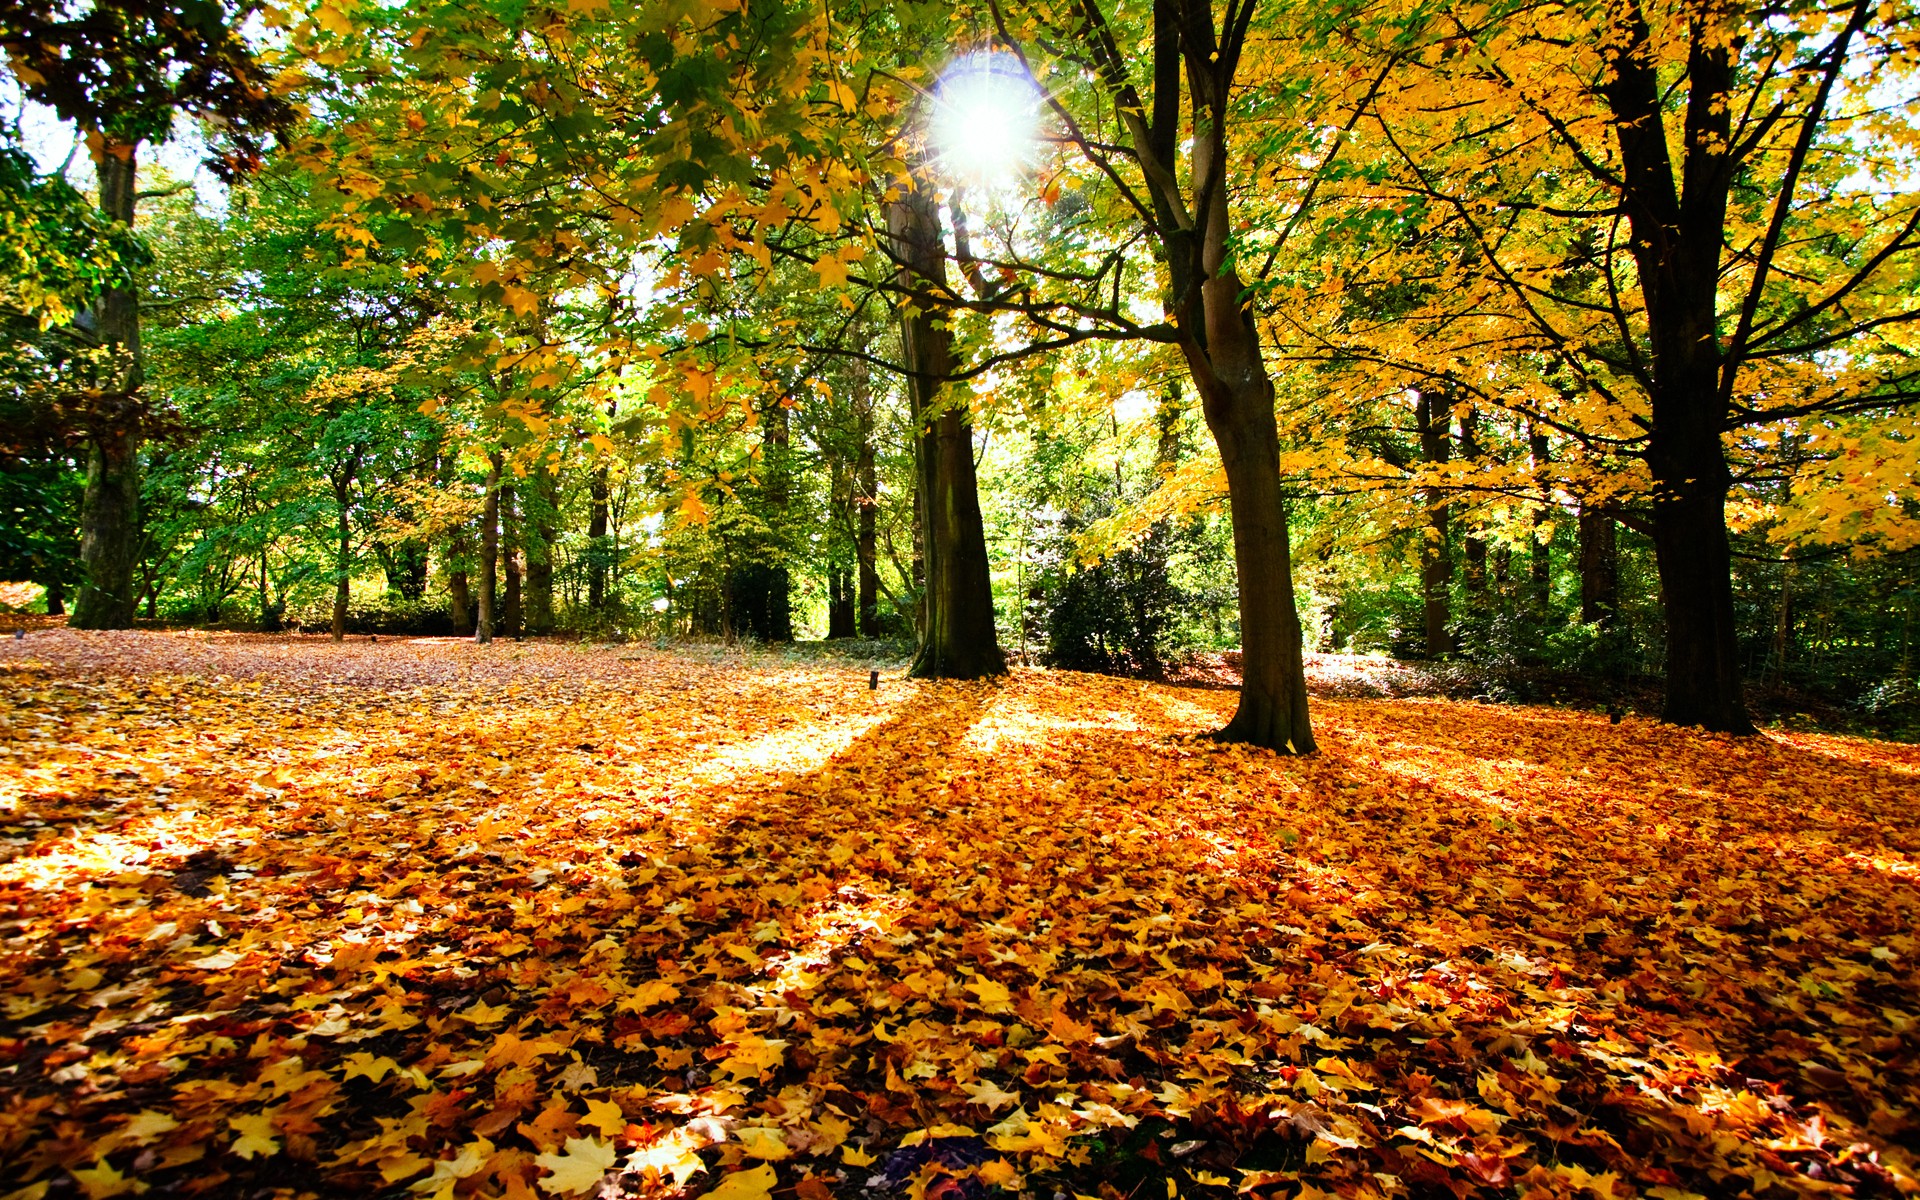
x: 282, y: 917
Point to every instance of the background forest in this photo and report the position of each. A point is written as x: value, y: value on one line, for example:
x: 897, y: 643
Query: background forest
x: 581, y: 320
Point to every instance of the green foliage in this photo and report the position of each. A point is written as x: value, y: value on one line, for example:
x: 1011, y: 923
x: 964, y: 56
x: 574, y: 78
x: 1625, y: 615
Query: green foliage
x: 39, y: 520
x: 56, y: 251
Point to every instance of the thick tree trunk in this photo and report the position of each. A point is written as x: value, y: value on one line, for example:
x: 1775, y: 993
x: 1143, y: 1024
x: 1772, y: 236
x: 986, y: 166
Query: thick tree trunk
x: 460, y: 580
x: 109, y: 525
x: 755, y: 594
x: 1540, y: 567
x: 1696, y: 571
x: 110, y: 506
x: 1236, y: 396
x: 273, y: 607
x: 1273, y: 695
x: 1436, y: 554
x: 1676, y: 238
x: 1221, y: 344
x: 541, y: 513
x: 958, y: 637
x: 269, y: 618
x: 1599, y: 567
x: 489, y: 552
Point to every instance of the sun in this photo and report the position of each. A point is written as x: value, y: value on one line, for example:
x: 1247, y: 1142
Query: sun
x: 985, y: 119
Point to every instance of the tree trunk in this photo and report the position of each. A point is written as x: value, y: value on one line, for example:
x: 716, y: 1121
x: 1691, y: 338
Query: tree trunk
x: 958, y: 639
x: 460, y: 596
x: 343, y: 562
x: 1273, y: 694
x: 1436, y: 555
x: 1599, y: 567
x: 56, y: 596
x: 489, y: 551
x: 1676, y: 242
x: 753, y: 593
x: 1696, y: 578
x: 840, y: 604
x: 1540, y: 560
x: 541, y: 515
x: 597, y: 492
x: 511, y: 535
x: 405, y: 564
x: 1221, y: 344
x: 1783, y: 625
x: 774, y: 453
x: 459, y: 580
x: 110, y: 506
x: 1473, y: 548
x: 272, y: 614
x: 866, y: 498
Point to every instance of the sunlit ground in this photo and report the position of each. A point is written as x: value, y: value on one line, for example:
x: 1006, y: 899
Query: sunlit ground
x: 422, y: 916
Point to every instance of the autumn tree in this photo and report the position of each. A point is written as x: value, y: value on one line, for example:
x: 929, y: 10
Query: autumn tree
x: 57, y: 252
x: 122, y: 70
x: 957, y: 636
x: 1666, y: 226
x: 1179, y: 68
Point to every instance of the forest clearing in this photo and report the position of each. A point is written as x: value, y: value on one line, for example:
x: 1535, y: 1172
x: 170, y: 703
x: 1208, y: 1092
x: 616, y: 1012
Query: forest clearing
x: 959, y: 600
x: 285, y: 917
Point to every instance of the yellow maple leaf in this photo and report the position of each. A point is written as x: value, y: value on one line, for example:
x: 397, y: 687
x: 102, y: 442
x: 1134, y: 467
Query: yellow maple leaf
x: 832, y: 272
x: 101, y: 1181
x: 362, y: 1064
x: 521, y: 300
x: 648, y: 994
x: 676, y: 210
x: 579, y: 1167
x: 671, y: 1155
x: 755, y: 1184
x: 990, y: 1095
x: 605, y: 1116
x: 764, y: 1142
x: 998, y: 1173
x: 256, y: 1135
x: 482, y: 1013
x: 146, y: 1125
x: 994, y: 996
x: 331, y: 18
x: 754, y: 1056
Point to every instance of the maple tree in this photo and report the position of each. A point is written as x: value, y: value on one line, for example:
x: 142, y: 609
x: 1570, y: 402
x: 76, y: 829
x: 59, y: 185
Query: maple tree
x: 122, y: 71
x: 1674, y: 234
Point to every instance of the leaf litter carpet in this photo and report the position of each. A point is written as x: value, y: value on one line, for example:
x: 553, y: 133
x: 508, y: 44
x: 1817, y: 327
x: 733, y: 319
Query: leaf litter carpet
x: 286, y: 918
